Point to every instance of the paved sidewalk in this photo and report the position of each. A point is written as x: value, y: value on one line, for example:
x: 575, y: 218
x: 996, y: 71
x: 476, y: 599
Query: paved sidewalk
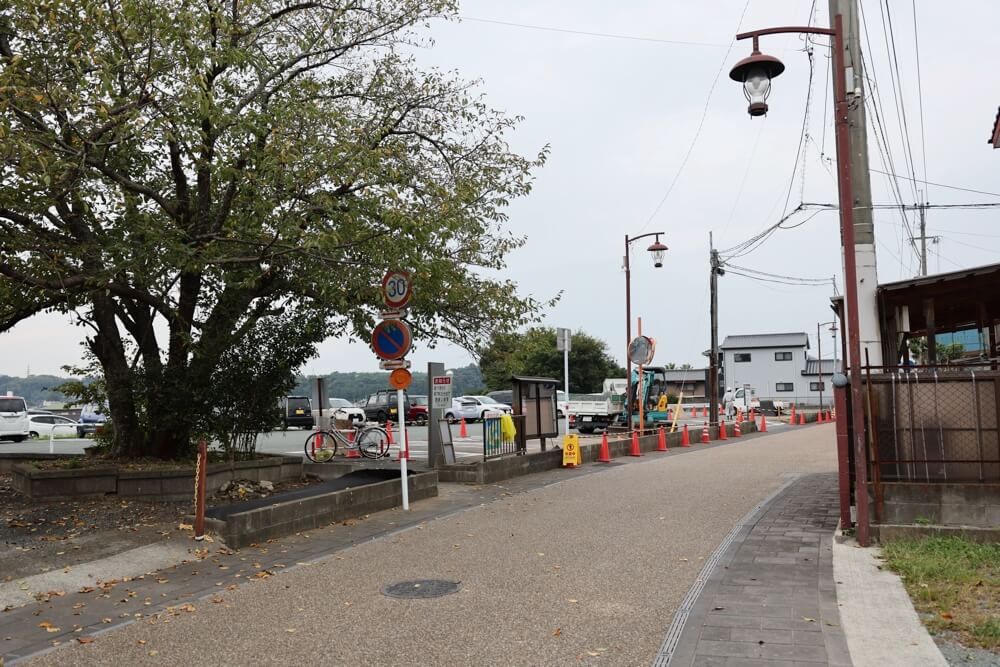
x: 589, y: 570
x: 770, y: 598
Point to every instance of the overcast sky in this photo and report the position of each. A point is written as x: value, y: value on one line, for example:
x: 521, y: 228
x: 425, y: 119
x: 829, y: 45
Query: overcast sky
x: 621, y: 115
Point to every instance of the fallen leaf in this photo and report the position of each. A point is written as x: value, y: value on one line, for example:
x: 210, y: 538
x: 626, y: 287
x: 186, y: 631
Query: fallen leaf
x: 572, y: 601
x: 290, y: 630
x: 141, y: 642
x: 105, y: 620
x: 185, y: 526
x: 809, y: 620
x: 557, y: 632
x: 946, y: 616
x: 85, y: 640
x: 154, y: 653
x: 593, y: 653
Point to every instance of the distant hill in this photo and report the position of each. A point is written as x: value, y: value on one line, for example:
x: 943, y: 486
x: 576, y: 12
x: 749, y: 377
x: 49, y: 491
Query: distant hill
x: 35, y: 389
x: 353, y: 386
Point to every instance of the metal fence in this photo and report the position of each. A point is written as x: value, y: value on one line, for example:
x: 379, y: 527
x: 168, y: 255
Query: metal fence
x: 496, y: 444
x: 933, y: 424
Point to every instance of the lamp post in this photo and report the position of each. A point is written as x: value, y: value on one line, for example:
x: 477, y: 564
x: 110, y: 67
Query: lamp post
x: 755, y: 73
x: 657, y: 250
x: 819, y: 353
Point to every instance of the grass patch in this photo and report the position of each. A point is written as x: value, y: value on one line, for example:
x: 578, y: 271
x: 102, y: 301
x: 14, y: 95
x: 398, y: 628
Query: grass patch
x: 954, y: 584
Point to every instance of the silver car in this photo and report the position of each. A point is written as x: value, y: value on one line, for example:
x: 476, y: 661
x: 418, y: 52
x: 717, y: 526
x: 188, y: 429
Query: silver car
x: 474, y: 407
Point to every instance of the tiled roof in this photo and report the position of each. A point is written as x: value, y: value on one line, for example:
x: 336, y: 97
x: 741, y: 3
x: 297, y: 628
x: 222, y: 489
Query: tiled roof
x: 995, y: 137
x: 829, y: 368
x: 798, y: 339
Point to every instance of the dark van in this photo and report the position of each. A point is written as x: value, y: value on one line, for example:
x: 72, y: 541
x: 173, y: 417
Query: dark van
x: 297, y: 411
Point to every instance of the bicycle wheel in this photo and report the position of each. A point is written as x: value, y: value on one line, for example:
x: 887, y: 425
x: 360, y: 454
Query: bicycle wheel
x: 373, y: 442
x: 320, y: 447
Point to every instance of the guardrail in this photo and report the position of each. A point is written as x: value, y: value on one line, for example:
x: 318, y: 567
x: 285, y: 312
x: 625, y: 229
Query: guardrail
x: 496, y: 444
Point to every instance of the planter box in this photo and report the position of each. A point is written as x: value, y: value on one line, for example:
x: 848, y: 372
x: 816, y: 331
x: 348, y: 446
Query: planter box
x: 169, y: 484
x: 257, y: 525
x: 64, y: 484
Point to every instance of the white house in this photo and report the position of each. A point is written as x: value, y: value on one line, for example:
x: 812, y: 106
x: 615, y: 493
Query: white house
x: 778, y: 367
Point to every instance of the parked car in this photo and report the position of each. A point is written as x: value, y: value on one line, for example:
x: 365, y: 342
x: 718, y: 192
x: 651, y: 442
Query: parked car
x: 92, y: 414
x: 381, y: 406
x: 471, y: 408
x: 354, y: 413
x: 417, y: 414
x: 42, y: 426
x: 13, y: 418
x: 505, y: 396
x: 297, y: 411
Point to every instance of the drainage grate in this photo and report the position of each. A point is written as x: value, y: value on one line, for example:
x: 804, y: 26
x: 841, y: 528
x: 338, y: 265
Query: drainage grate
x: 421, y: 588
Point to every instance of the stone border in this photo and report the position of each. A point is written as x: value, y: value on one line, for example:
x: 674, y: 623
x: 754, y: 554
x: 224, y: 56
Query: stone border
x: 285, y: 518
x: 172, y: 484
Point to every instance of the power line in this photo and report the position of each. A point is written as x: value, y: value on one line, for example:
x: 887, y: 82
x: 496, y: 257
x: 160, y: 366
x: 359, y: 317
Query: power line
x: 897, y: 91
x: 778, y: 276
x: 701, y: 123
x: 920, y: 90
x: 941, y: 185
x: 587, y: 33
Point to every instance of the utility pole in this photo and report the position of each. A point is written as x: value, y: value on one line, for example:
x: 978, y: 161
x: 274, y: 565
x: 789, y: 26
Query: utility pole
x: 713, y: 363
x: 861, y: 187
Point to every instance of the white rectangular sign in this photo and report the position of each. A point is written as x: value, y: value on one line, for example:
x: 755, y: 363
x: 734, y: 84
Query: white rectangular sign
x: 441, y: 392
x: 563, y: 340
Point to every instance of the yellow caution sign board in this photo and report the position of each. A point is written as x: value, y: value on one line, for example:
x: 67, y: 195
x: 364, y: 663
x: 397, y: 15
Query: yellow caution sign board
x: 571, y: 451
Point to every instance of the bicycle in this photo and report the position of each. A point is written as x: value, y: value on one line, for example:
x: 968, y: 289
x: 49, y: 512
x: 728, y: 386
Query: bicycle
x: 371, y: 441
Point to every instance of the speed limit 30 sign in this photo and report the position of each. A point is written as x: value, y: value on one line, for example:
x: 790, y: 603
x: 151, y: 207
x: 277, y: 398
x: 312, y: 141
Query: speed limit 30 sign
x: 396, y: 289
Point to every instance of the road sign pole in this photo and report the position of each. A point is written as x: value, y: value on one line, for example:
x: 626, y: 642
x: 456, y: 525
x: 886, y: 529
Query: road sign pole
x: 402, y: 449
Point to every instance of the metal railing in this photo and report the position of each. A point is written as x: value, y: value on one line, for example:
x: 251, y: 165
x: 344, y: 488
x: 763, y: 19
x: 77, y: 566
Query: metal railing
x: 933, y: 424
x: 496, y: 444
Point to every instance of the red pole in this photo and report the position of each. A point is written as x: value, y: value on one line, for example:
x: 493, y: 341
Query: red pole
x: 199, y: 491
x: 628, y: 333
x: 850, y: 280
x: 843, y: 459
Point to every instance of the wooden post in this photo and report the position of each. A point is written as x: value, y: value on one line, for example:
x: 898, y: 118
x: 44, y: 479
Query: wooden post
x: 199, y: 491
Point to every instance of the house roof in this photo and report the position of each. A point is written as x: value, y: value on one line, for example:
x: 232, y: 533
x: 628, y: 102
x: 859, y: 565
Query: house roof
x: 797, y: 339
x: 684, y: 374
x: 935, y: 278
x: 995, y: 137
x: 828, y: 367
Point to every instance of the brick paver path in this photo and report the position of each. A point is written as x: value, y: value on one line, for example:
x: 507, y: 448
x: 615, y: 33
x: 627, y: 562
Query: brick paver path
x: 771, y: 598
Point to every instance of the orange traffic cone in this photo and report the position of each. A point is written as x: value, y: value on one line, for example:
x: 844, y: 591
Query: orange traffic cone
x: 706, y: 437
x: 685, y: 439
x: 352, y: 452
x: 829, y: 415
x: 604, y: 455
x: 753, y: 415
x: 722, y: 430
x: 763, y: 423
x: 635, y: 445
x: 737, y: 432
x: 720, y: 411
x: 463, y: 432
x: 739, y: 416
x: 793, y: 422
x: 802, y: 419
x: 404, y: 450
x: 661, y: 444
x: 704, y: 411
x: 694, y: 412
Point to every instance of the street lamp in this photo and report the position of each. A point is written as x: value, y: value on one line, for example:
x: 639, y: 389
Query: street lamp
x: 819, y: 353
x: 657, y: 250
x: 756, y: 73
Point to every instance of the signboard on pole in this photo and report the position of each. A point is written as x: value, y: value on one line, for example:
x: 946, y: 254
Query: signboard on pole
x: 391, y: 339
x: 441, y: 392
x: 396, y: 289
x: 564, y: 339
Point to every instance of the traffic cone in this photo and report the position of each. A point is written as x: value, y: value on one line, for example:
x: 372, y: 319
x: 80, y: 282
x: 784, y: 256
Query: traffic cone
x: 388, y: 431
x: 737, y: 432
x: 661, y: 444
x: 763, y: 423
x: 739, y: 416
x: 694, y: 412
x: 463, y: 432
x: 404, y: 451
x: 792, y: 422
x: 352, y: 452
x: 604, y: 455
x: 802, y: 419
x: 721, y: 411
x: 685, y: 439
x: 753, y: 415
x: 706, y: 437
x: 704, y: 411
x: 722, y: 430
x: 635, y: 445
x: 829, y: 415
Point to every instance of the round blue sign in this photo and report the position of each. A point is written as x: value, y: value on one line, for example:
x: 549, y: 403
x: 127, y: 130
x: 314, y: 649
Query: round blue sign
x: 391, y: 339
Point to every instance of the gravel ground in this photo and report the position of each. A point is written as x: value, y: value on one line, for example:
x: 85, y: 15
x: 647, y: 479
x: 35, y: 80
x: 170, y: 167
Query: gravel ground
x: 589, y: 570
x: 964, y: 656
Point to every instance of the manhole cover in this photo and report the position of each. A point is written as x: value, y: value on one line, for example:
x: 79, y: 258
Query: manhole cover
x: 421, y: 588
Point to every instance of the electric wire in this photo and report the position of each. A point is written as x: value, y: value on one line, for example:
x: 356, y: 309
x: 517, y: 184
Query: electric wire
x: 920, y: 91
x: 701, y: 123
x: 897, y: 92
x: 942, y: 185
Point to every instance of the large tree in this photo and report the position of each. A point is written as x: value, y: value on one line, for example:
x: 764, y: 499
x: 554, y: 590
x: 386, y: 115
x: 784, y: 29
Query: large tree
x: 177, y: 173
x: 533, y: 352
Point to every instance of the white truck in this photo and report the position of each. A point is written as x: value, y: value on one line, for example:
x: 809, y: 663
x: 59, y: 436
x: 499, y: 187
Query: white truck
x: 745, y: 399
x: 598, y: 411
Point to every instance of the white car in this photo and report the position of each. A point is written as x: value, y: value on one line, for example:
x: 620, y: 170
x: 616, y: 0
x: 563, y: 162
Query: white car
x: 13, y: 418
x: 474, y: 407
x: 42, y: 426
x: 344, y: 406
